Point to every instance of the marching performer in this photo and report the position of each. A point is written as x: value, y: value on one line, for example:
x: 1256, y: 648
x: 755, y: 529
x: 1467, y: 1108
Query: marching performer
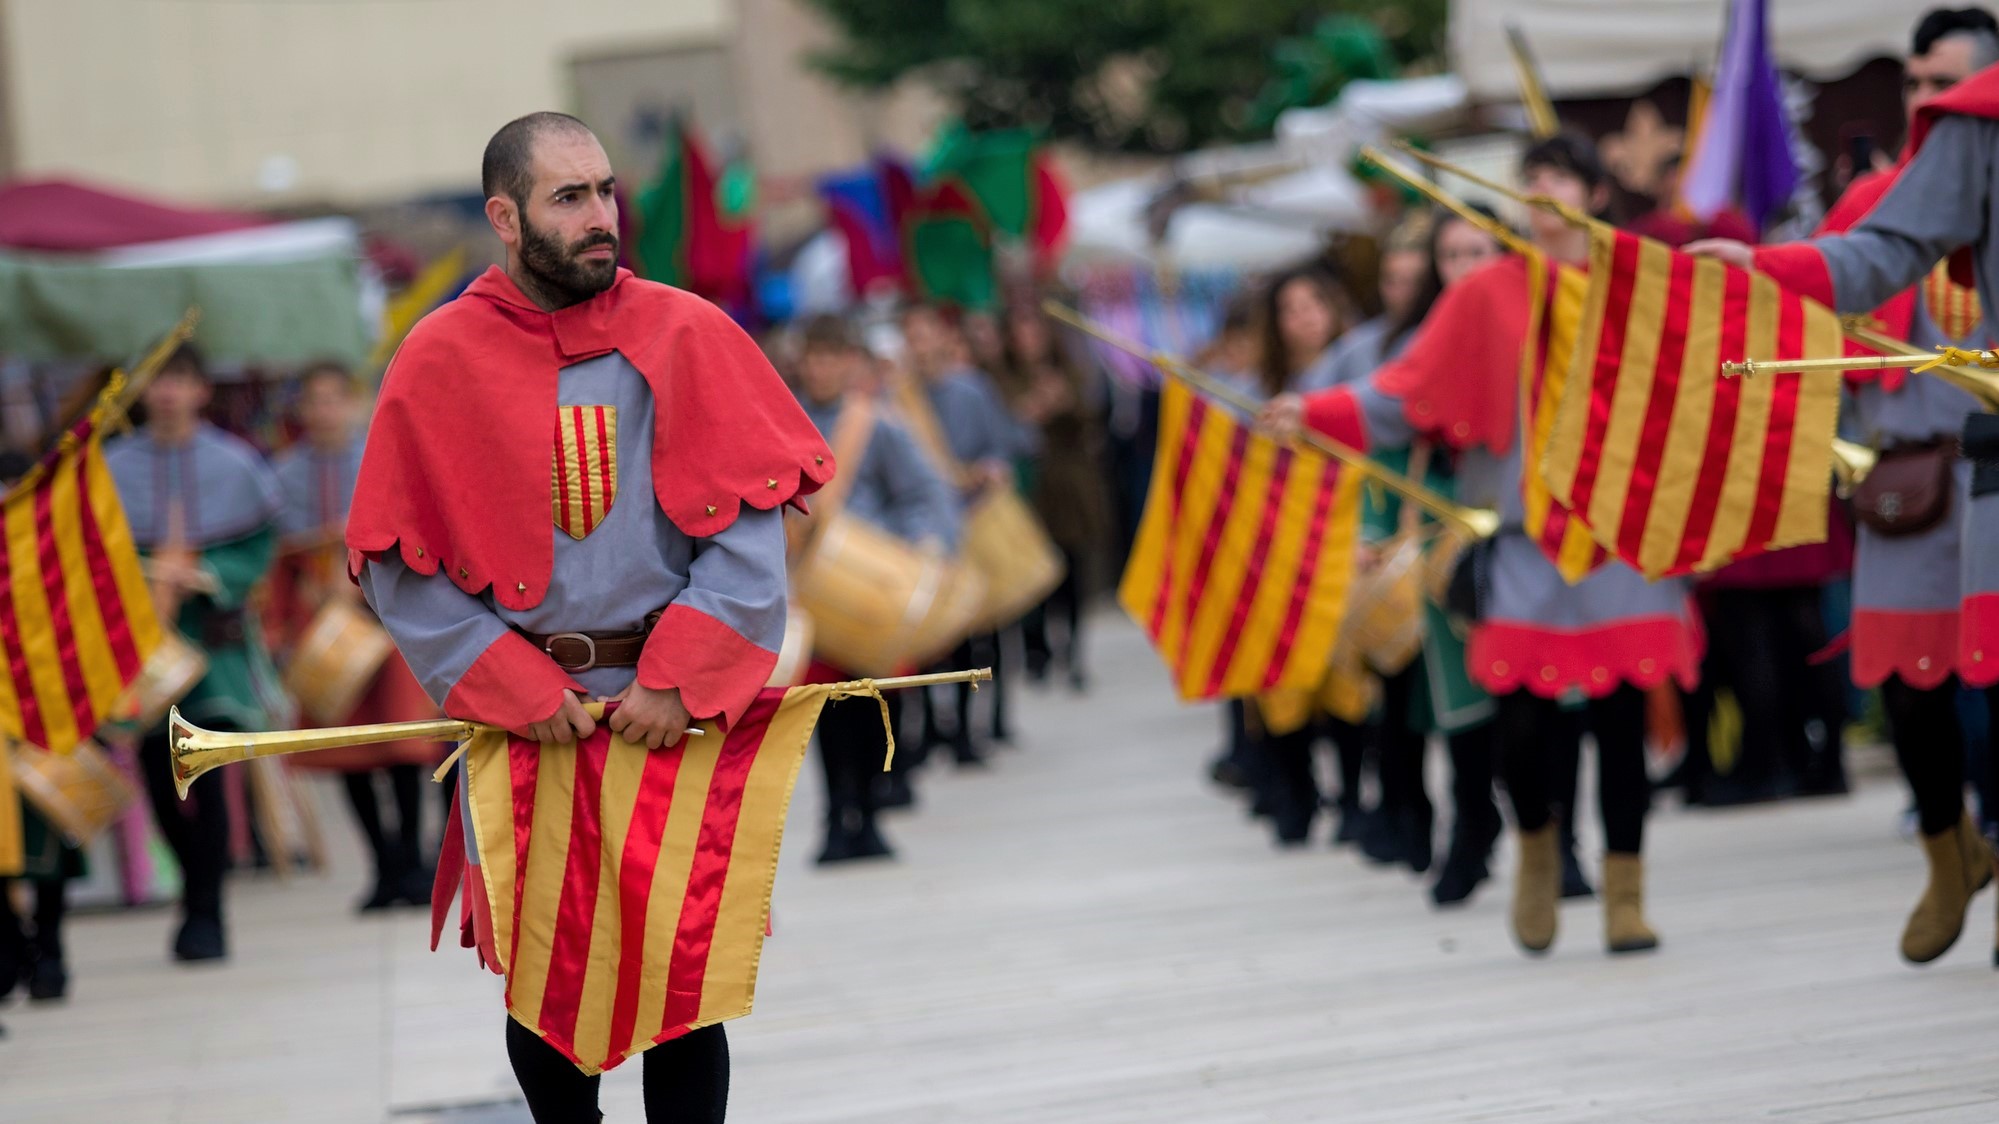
x: 1920, y: 511
x: 971, y: 436
x: 1609, y: 637
x: 647, y: 569
x: 885, y: 481
x: 317, y: 477
x: 203, y: 508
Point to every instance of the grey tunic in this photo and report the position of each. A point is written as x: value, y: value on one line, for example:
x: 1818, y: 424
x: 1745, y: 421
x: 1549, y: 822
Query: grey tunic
x: 224, y: 489
x: 1914, y: 573
x: 895, y: 486
x: 1350, y: 359
x: 1945, y: 199
x: 318, y: 486
x: 975, y: 420
x: 634, y: 562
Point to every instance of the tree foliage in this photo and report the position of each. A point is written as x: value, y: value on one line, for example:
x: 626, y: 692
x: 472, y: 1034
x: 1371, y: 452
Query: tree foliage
x: 1121, y: 74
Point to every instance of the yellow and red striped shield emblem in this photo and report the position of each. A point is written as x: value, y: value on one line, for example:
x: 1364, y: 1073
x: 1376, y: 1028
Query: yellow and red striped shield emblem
x: 586, y: 467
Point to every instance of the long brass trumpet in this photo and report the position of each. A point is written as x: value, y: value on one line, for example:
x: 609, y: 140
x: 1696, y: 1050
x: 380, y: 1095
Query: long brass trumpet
x: 1479, y: 523
x: 195, y: 751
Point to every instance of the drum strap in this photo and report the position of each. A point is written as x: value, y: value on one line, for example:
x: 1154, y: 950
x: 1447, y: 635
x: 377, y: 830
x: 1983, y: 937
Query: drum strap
x: 914, y: 406
x: 851, y: 435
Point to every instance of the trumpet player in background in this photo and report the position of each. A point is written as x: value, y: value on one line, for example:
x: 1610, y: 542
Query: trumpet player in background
x: 203, y: 508
x: 317, y: 476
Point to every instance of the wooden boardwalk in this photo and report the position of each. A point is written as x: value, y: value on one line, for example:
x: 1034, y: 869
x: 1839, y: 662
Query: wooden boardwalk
x: 1090, y: 933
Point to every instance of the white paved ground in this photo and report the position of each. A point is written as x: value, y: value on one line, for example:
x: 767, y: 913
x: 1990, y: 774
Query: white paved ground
x: 1090, y: 933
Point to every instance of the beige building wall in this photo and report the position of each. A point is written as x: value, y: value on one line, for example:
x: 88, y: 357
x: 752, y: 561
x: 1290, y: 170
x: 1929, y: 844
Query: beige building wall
x: 265, y: 101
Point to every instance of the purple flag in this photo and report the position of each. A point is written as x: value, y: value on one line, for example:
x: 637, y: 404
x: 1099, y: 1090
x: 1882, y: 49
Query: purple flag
x: 1744, y: 158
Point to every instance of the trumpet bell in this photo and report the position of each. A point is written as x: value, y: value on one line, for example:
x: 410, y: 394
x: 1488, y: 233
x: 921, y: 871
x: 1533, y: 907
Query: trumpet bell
x: 195, y: 751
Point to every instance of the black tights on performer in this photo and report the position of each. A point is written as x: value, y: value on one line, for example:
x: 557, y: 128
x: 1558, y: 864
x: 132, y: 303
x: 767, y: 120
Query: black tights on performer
x: 1527, y: 725
x: 686, y: 1079
x: 1929, y: 746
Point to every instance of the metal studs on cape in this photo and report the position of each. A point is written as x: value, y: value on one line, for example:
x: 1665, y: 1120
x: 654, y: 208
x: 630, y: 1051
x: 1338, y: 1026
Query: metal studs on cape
x: 711, y: 509
x: 520, y: 587
x: 464, y: 574
x: 771, y: 484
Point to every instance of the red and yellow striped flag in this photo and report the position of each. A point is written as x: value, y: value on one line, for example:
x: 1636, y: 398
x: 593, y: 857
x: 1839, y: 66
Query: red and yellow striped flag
x: 1244, y: 554
x: 1555, y: 301
x: 76, y: 619
x: 1673, y: 466
x: 626, y: 891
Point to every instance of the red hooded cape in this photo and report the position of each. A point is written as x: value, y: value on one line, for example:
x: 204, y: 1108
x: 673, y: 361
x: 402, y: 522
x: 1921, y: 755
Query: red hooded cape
x: 1800, y: 267
x: 459, y: 455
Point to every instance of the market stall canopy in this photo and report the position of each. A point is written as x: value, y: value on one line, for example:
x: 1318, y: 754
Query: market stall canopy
x: 63, y: 216
x: 273, y: 313
x: 1614, y: 48
x: 88, y: 273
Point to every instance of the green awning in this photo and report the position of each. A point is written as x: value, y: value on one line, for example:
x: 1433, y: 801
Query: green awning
x: 256, y: 313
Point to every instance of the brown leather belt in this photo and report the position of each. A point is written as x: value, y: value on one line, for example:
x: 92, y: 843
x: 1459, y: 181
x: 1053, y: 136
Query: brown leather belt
x: 581, y: 651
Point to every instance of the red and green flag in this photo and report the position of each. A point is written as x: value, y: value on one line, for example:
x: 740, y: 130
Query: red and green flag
x: 695, y: 227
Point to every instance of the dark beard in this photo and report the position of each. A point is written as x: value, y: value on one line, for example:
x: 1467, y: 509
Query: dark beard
x: 561, y: 274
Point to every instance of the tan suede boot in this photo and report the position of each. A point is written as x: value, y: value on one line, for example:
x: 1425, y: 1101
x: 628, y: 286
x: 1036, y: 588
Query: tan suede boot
x: 1624, y: 927
x: 1960, y: 866
x: 1536, y: 889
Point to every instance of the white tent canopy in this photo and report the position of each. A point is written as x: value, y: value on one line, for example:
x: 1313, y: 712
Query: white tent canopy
x: 1609, y: 48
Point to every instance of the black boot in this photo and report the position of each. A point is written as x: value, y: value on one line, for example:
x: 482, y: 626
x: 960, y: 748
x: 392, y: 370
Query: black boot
x: 1352, y: 821
x: 1574, y: 885
x: 1382, y: 840
x: 1419, y: 841
x: 963, y: 753
x: 50, y: 980
x: 388, y: 881
x: 892, y: 790
x: 840, y: 842
x: 868, y: 842
x: 1466, y: 864
x: 200, y: 938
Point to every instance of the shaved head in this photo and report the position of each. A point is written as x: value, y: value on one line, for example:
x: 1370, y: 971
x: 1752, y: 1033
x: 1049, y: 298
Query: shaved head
x: 508, y: 166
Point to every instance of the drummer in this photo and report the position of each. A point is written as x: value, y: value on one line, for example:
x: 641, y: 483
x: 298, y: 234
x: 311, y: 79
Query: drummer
x: 980, y: 440
x: 893, y: 487
x: 203, y: 507
x: 317, y: 477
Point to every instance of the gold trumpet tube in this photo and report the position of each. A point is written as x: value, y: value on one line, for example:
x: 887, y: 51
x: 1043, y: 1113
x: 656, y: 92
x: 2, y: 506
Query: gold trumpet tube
x: 1851, y: 463
x: 1980, y: 382
x: 195, y: 751
x: 1479, y: 523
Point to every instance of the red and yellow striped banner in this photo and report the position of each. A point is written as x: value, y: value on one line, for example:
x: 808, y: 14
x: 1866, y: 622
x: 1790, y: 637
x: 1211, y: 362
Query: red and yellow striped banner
x: 1244, y: 554
x: 627, y: 891
x: 1673, y: 466
x: 76, y: 619
x: 1556, y: 304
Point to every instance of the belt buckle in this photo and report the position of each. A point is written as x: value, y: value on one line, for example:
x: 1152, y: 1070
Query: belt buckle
x: 590, y: 645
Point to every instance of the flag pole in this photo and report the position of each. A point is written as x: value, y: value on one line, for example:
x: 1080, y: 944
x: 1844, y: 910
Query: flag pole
x: 1449, y: 202
x: 1476, y: 522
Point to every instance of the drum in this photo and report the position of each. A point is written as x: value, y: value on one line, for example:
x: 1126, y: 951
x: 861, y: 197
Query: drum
x: 338, y: 655
x: 795, y: 654
x: 81, y: 793
x: 174, y: 668
x: 879, y: 605
x: 1006, y: 544
x: 1385, y: 608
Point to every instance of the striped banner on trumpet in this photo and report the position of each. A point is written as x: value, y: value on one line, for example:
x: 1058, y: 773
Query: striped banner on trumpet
x: 625, y: 892
x: 1244, y: 554
x: 1556, y: 300
x: 1673, y: 466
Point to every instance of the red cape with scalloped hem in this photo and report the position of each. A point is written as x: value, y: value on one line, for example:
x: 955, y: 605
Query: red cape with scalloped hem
x: 1508, y: 656
x: 458, y: 458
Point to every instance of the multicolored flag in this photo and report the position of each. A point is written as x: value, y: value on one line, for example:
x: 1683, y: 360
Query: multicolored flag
x: 1244, y: 554
x: 1674, y: 466
x: 1743, y: 157
x: 625, y: 893
x: 1008, y: 173
x: 866, y: 207
x: 695, y: 227
x: 1556, y: 297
